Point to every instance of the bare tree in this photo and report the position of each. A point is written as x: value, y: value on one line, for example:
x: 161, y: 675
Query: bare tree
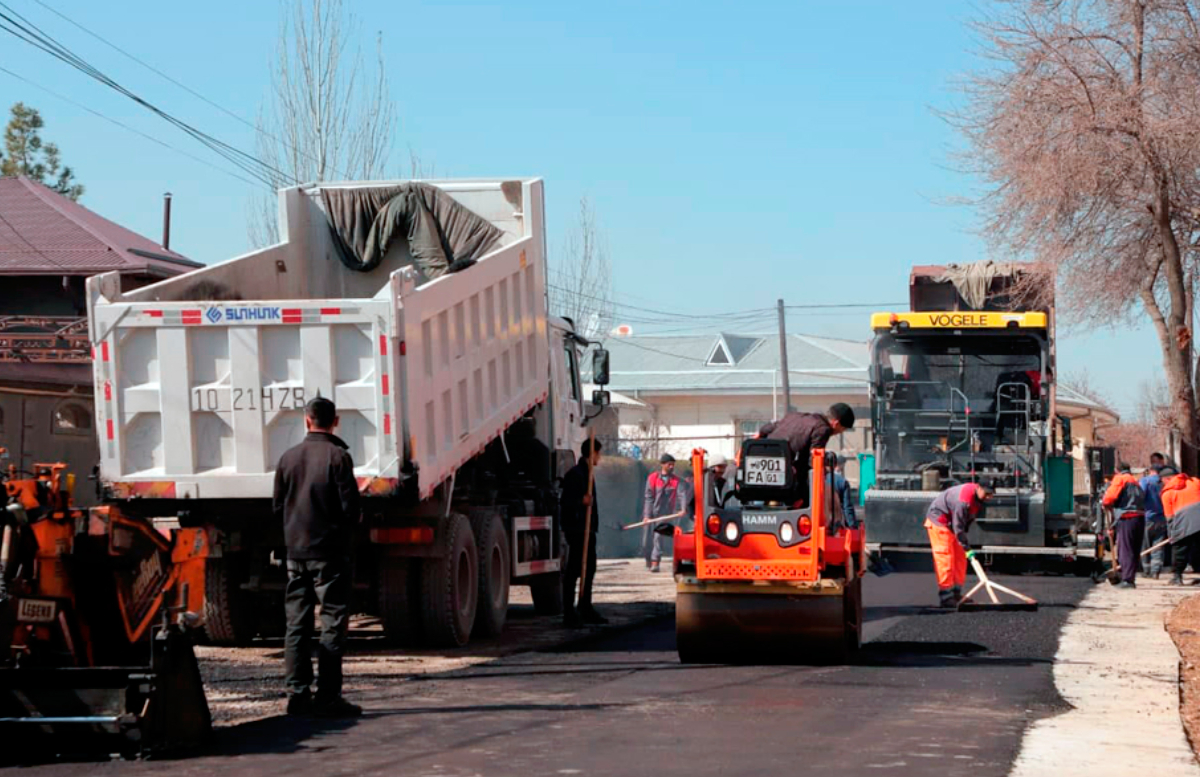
x: 581, y: 283
x: 326, y: 116
x: 1087, y: 132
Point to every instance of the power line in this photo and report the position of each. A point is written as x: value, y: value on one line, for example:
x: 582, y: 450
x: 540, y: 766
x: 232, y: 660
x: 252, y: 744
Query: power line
x: 30, y: 33
x: 124, y: 126
x: 184, y: 86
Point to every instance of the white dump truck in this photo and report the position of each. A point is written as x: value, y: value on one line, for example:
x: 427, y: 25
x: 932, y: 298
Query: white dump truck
x: 420, y: 309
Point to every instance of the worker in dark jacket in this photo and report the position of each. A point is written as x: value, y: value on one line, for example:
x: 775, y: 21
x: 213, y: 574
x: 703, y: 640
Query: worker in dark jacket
x: 1156, y: 522
x: 844, y: 494
x: 1181, y: 504
x: 576, y: 497
x: 947, y: 521
x: 665, y: 495
x: 806, y: 432
x: 316, y: 499
x: 1125, y: 498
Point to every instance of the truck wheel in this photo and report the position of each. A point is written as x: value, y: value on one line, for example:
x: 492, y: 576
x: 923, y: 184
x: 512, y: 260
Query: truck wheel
x: 450, y: 587
x: 228, y: 610
x: 495, y: 562
x: 399, y: 599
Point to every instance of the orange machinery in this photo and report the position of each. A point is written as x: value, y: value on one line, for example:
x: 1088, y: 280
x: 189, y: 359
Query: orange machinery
x: 93, y: 617
x: 776, y: 578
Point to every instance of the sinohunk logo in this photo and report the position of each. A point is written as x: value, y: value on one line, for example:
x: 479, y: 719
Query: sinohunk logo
x: 243, y: 314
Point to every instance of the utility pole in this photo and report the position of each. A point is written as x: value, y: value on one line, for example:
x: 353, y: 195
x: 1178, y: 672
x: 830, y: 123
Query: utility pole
x: 783, y: 365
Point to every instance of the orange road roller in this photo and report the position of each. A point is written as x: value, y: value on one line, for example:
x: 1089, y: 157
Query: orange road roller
x: 774, y: 574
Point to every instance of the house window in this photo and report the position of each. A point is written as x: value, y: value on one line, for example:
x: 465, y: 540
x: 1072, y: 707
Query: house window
x: 72, y: 418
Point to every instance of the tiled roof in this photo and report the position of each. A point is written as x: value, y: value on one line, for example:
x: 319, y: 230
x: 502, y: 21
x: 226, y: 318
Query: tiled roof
x: 44, y: 233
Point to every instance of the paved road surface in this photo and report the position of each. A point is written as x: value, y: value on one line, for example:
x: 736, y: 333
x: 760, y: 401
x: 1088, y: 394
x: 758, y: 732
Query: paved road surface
x: 933, y: 693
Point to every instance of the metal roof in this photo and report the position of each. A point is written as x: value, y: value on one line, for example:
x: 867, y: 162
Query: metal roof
x: 680, y: 364
x: 45, y: 233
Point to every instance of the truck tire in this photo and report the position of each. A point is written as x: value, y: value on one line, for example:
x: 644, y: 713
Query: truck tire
x: 450, y: 587
x: 495, y: 572
x: 229, y: 612
x: 399, y: 599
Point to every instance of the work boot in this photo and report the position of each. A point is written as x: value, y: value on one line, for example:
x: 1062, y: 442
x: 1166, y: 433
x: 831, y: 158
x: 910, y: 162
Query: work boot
x: 571, y: 618
x: 1176, y: 580
x: 590, y: 616
x: 300, y: 704
x: 654, y: 566
x: 947, y: 599
x: 1127, y: 584
x: 336, y: 708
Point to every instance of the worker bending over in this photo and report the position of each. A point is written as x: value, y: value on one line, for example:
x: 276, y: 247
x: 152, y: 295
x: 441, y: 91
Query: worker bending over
x: 806, y: 432
x: 947, y: 520
x: 1181, y: 504
x: 1127, y: 502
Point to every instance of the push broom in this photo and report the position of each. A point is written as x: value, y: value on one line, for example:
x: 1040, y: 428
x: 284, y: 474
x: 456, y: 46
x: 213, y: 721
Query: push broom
x: 1024, y: 603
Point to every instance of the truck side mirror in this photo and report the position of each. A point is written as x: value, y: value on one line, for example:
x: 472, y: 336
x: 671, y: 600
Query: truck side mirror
x: 601, y: 398
x: 600, y: 367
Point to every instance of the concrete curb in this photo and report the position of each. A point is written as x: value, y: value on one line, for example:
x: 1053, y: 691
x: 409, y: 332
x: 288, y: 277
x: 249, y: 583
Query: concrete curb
x: 1119, y: 669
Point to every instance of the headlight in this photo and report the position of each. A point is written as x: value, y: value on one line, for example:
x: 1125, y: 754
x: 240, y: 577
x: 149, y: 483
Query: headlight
x: 731, y: 531
x: 786, y: 533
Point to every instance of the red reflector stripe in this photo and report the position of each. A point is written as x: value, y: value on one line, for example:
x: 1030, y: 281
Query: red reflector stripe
x: 154, y: 313
x: 292, y: 312
x: 109, y: 427
x: 384, y: 384
x: 387, y: 423
x: 291, y: 319
x: 331, y: 311
x: 383, y: 345
x: 421, y: 535
x: 104, y: 350
x: 190, y: 314
x: 404, y: 348
x: 107, y: 390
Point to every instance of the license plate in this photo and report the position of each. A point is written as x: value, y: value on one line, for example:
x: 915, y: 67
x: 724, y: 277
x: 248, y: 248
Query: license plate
x: 766, y: 471
x: 36, y: 611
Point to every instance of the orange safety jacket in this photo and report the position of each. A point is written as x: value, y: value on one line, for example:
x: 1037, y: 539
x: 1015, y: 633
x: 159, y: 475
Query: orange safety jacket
x: 1181, y: 505
x: 1125, y: 496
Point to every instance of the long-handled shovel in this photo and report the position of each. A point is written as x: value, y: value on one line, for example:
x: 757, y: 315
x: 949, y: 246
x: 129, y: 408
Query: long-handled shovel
x: 1025, y: 603
x: 650, y: 521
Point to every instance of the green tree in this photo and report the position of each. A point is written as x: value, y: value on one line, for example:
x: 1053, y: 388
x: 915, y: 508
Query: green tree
x: 26, y: 154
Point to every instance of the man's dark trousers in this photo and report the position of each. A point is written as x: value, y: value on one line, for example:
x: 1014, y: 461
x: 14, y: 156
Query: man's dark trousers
x: 1129, y: 545
x: 326, y: 581
x: 574, y: 562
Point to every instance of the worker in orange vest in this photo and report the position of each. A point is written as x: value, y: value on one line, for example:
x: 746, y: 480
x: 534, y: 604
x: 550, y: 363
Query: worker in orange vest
x: 1125, y: 498
x: 947, y: 520
x: 1181, y: 505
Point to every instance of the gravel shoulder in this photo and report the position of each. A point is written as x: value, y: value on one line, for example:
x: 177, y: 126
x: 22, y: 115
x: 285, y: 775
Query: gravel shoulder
x: 246, y: 684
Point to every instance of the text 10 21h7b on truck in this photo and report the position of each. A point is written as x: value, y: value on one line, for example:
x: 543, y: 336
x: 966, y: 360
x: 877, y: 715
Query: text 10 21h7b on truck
x: 420, y: 308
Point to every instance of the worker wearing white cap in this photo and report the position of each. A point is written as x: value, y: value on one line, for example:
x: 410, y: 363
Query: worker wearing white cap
x: 720, y: 488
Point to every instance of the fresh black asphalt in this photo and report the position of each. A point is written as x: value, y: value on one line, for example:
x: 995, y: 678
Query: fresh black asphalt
x: 931, y: 693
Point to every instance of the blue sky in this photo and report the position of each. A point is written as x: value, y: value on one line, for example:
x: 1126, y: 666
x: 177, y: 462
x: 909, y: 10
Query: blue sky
x: 734, y: 153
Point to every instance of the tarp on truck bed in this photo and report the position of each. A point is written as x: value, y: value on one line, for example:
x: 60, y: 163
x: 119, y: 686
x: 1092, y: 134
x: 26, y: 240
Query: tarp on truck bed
x: 443, y: 236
